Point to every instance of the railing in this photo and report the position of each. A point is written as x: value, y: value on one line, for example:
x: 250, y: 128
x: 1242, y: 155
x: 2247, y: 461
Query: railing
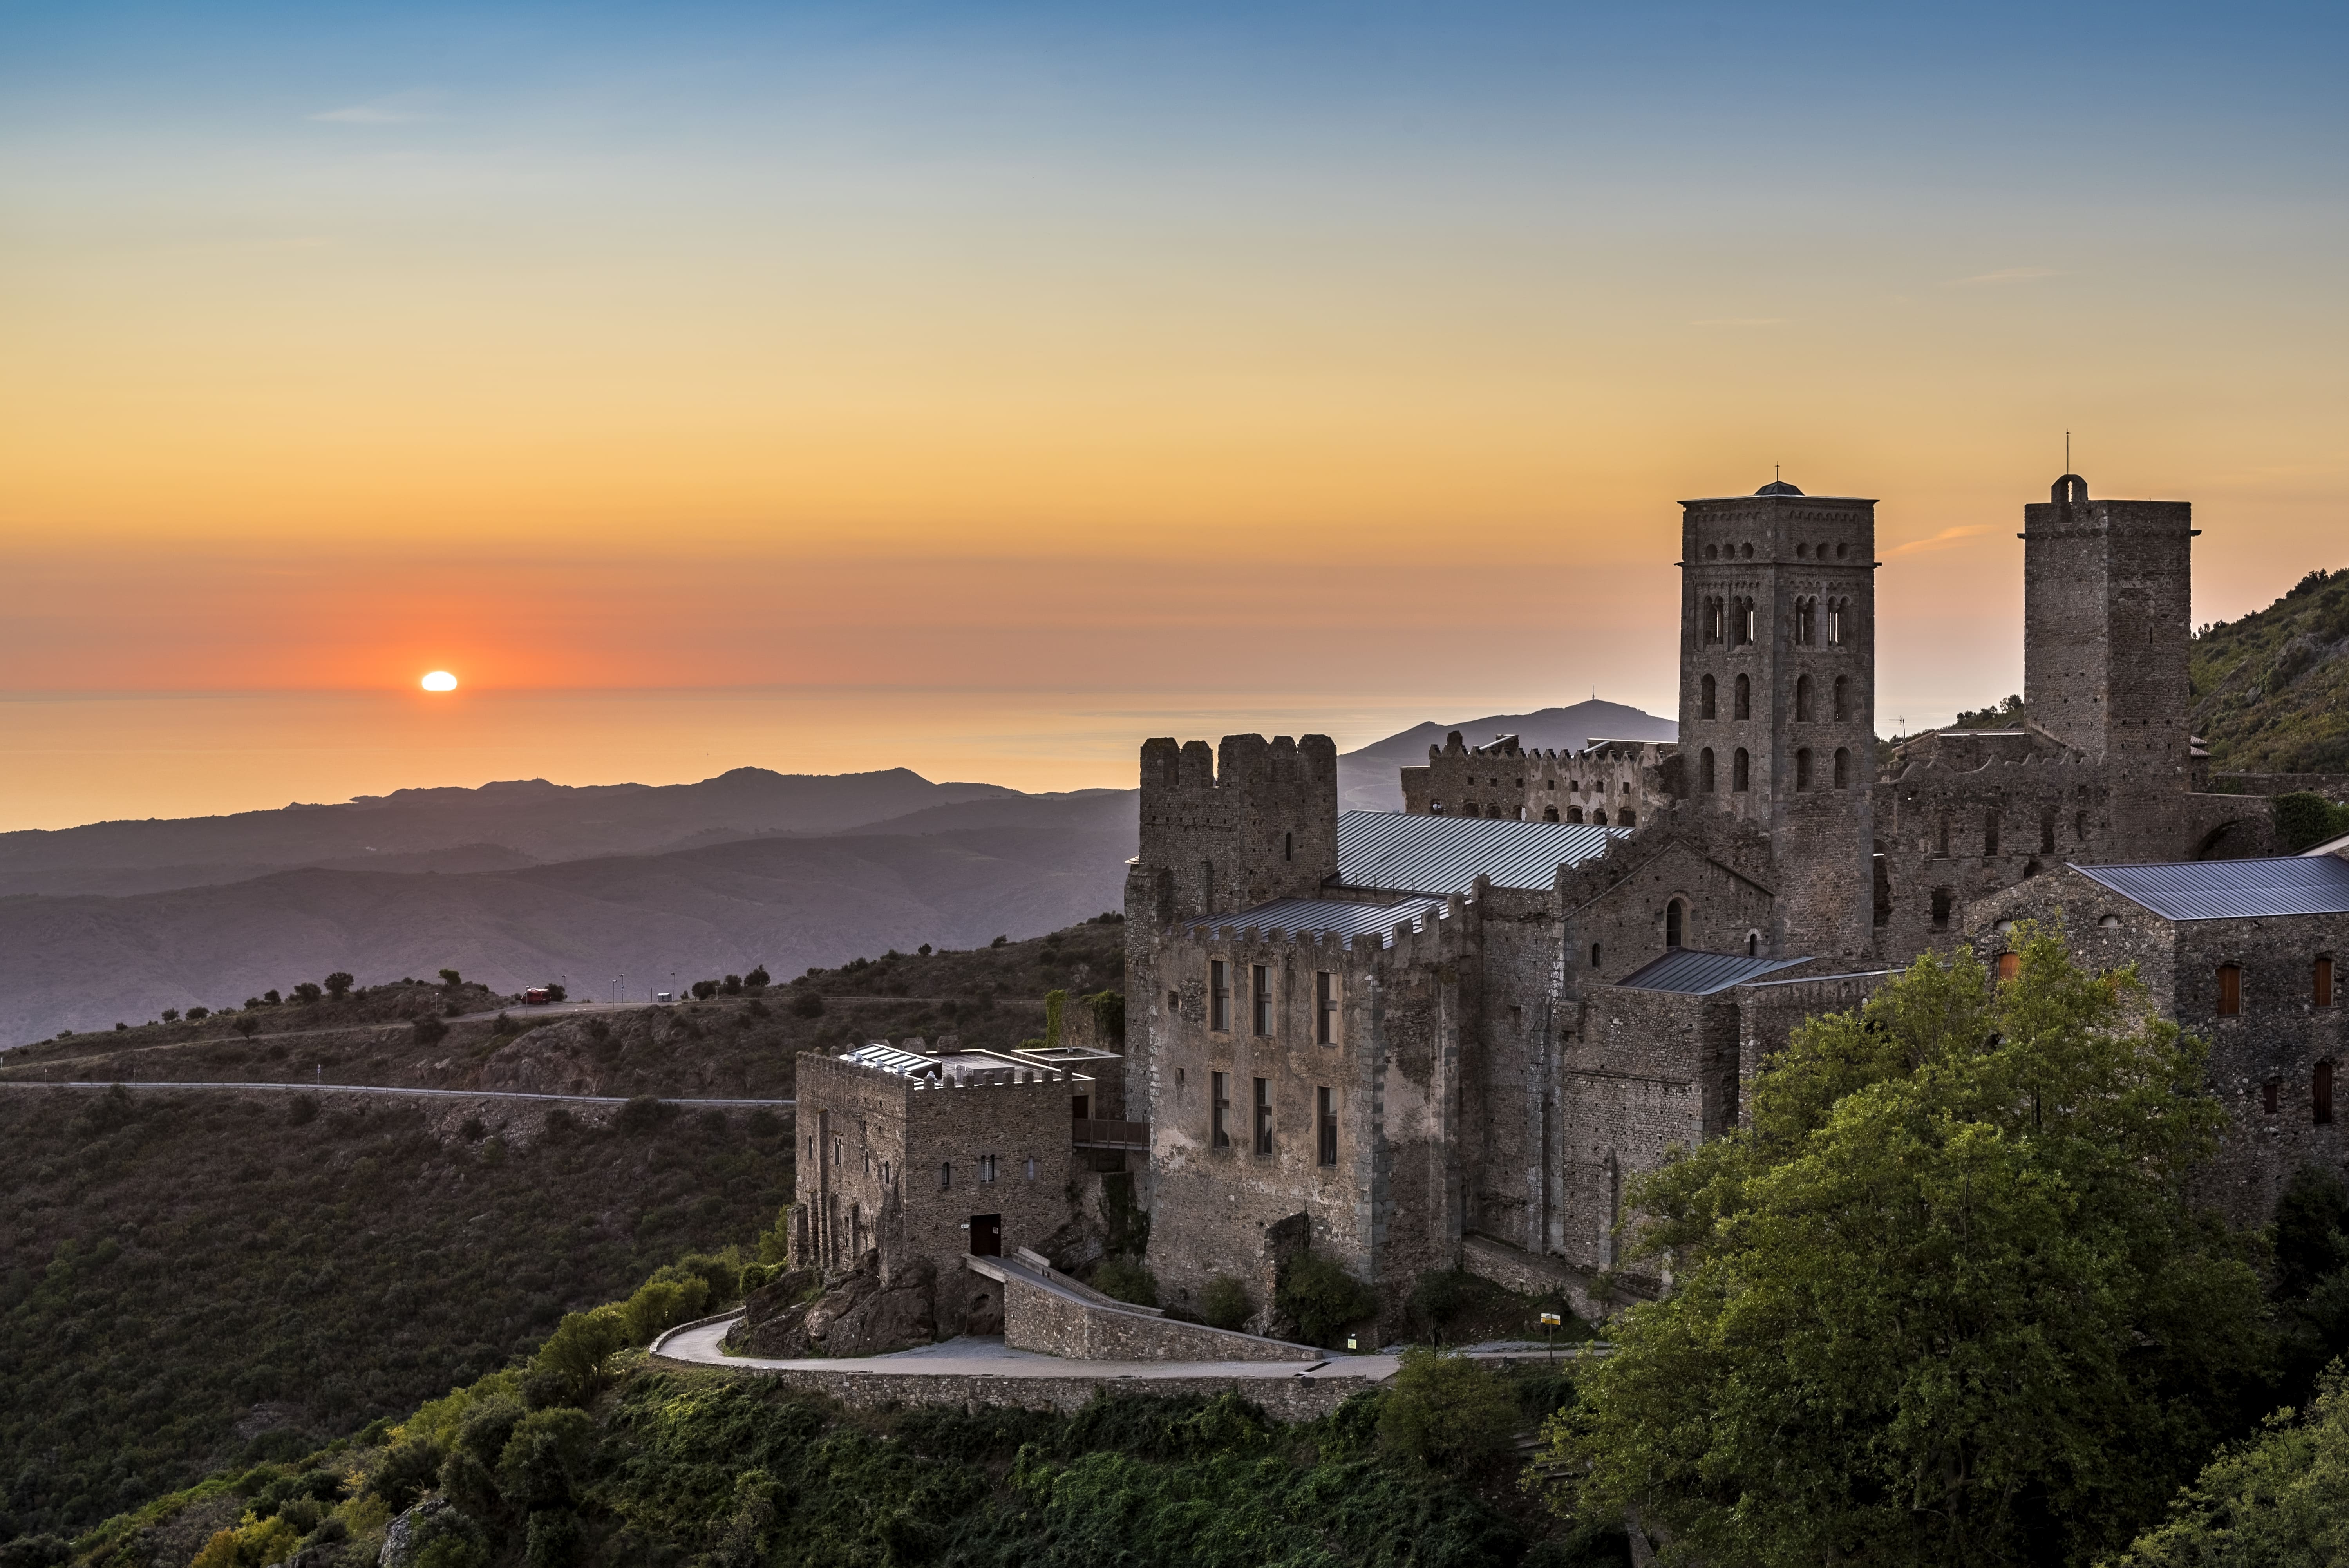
x: 1096, y: 1132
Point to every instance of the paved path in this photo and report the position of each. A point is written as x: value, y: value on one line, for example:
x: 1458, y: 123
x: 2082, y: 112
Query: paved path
x: 696, y: 1344
x: 408, y: 1093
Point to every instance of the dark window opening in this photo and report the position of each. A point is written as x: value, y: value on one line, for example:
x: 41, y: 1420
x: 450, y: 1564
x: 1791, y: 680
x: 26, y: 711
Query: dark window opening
x: 1288, y: 847
x: 1802, y: 699
x: 1842, y: 699
x: 1264, y: 1115
x: 1990, y: 833
x: 1883, y: 879
x: 1174, y: 1001
x: 1325, y: 1008
x: 1843, y: 767
x: 1594, y: 955
x: 1705, y: 698
x: 2230, y: 989
x: 2270, y: 1092
x: 1219, y: 995
x: 1803, y: 767
x: 945, y: 1174
x: 1326, y: 1120
x: 1672, y: 924
x: 2320, y: 1093
x: 1625, y: 819
x: 1218, y: 1106
x: 1753, y: 944
x: 1744, y: 708
x: 1550, y: 814
x: 1941, y: 908
x: 1741, y: 772
x: 987, y: 1235
x: 1080, y: 1106
x: 1941, y: 837
x: 1573, y: 813
x: 1705, y: 771
x: 2047, y: 832
x: 1599, y: 817
x: 1260, y: 998
x: 2321, y: 987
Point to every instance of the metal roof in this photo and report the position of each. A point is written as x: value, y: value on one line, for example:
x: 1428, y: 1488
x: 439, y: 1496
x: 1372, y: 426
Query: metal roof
x: 2231, y: 890
x: 1336, y: 915
x: 1441, y: 854
x: 1694, y: 973
x: 889, y: 1059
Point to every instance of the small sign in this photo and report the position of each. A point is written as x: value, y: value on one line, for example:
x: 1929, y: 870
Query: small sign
x: 1551, y: 1320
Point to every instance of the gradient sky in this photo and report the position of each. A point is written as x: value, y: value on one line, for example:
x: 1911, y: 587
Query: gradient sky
x: 981, y: 387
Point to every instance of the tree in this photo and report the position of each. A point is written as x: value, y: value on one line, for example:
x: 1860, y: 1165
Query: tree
x: 1947, y: 1301
x: 198, y: 1014
x: 2281, y: 1501
x: 758, y: 976
x: 338, y: 984
x: 271, y: 998
x: 1320, y: 1297
x: 703, y: 990
x: 307, y: 991
x: 558, y: 993
x: 452, y: 979
x: 171, y: 1015
x: 1445, y: 1410
x: 247, y: 1024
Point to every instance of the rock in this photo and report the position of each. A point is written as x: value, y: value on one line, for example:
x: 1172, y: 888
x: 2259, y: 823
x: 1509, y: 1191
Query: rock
x: 858, y: 1314
x: 407, y: 1533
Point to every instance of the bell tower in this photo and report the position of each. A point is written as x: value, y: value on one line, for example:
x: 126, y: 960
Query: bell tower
x: 1778, y: 696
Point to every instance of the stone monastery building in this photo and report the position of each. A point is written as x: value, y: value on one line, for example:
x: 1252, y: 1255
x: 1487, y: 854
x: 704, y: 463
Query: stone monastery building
x: 1446, y: 1037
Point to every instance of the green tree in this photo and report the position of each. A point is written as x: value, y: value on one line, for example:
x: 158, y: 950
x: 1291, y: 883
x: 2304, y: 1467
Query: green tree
x: 2302, y: 819
x: 1947, y: 1302
x: 1445, y: 1410
x: 452, y: 979
x: 1320, y: 1297
x: 573, y: 1358
x: 307, y: 991
x: 339, y: 983
x: 2280, y: 1502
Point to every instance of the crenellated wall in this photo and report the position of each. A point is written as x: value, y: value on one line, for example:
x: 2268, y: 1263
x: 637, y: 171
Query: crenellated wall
x: 1618, y: 783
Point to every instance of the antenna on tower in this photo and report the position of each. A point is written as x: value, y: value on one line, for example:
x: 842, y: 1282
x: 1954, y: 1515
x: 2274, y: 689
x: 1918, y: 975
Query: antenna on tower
x: 2067, y: 451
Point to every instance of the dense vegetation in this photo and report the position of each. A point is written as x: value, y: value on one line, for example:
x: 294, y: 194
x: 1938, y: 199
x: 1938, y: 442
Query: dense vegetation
x: 1949, y: 1299
x: 2272, y: 689
x: 185, y: 1278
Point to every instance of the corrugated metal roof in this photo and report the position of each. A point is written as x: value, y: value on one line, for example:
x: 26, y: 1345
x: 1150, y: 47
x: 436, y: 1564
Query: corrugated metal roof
x: 1441, y: 854
x: 2231, y: 890
x: 889, y: 1059
x: 1694, y: 973
x: 1335, y: 915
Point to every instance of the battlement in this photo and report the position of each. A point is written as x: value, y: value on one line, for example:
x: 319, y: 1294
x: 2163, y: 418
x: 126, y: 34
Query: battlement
x: 1424, y: 930
x: 1252, y: 821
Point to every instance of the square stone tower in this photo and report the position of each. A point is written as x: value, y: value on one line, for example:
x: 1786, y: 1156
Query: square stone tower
x: 1778, y: 696
x: 2106, y: 592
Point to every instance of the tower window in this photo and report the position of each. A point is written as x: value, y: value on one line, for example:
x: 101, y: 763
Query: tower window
x: 1218, y: 1104
x: 1746, y: 620
x: 1806, y: 613
x: 1325, y: 1115
x: 1550, y: 814
x: 1260, y: 998
x: 2047, y: 831
x: 1594, y: 955
x: 1843, y: 767
x: 1803, y: 767
x: 1941, y: 908
x: 1753, y: 944
x: 1573, y: 813
x: 1704, y: 699
x: 2270, y: 1092
x: 1264, y: 1115
x: 1715, y: 619
x: 1288, y: 847
x: 1705, y: 768
x: 2319, y: 1094
x: 1741, y: 769
x: 1744, y: 708
x: 1672, y: 924
x: 1599, y: 817
x: 1325, y: 1008
x: 2230, y: 989
x: 1802, y: 699
x: 1990, y: 833
x: 1219, y: 995
x: 1842, y: 697
x: 1836, y: 613
x: 2321, y: 990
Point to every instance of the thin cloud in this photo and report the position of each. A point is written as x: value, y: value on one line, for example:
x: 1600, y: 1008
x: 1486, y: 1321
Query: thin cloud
x: 1943, y: 539
x: 399, y: 109
x: 1739, y: 321
x: 2003, y: 275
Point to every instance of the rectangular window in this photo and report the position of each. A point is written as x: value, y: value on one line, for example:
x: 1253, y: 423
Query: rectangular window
x: 1218, y: 1104
x: 2230, y: 989
x: 1325, y: 1108
x: 1264, y: 1115
x: 2009, y: 965
x: 1219, y: 995
x: 2267, y: 1093
x: 1941, y: 908
x: 945, y: 1174
x: 1174, y: 1001
x: 2319, y: 1094
x: 2322, y: 988
x: 1325, y: 1008
x: 986, y: 1169
x: 1260, y: 997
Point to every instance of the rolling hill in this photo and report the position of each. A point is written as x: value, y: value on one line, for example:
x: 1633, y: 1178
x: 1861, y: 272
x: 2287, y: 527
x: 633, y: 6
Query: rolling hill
x: 2272, y: 689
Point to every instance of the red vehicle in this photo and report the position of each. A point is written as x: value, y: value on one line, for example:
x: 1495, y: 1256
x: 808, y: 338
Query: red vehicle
x: 536, y: 995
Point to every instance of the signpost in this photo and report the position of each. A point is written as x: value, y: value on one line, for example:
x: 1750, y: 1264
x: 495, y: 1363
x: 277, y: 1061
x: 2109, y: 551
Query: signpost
x: 1550, y: 1324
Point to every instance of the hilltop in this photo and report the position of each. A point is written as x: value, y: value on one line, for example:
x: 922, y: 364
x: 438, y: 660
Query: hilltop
x: 2272, y: 689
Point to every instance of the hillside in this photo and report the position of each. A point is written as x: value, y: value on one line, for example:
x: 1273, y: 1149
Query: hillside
x: 196, y: 1279
x: 2272, y: 689
x: 86, y: 962
x: 1368, y: 779
x: 495, y: 828
x: 739, y: 1044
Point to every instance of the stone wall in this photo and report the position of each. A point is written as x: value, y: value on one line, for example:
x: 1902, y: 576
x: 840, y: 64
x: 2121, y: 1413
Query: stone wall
x: 1290, y: 1399
x: 1769, y: 1012
x: 1643, y: 1071
x: 1060, y: 1322
x: 1621, y: 784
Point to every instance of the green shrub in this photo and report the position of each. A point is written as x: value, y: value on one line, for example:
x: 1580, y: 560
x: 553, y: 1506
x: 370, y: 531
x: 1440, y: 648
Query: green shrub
x: 1445, y: 1410
x: 575, y: 1355
x: 1318, y: 1293
x: 1225, y: 1303
x: 1126, y: 1279
x: 2302, y: 819
x: 1439, y: 1296
x: 545, y: 1460
x: 661, y: 1304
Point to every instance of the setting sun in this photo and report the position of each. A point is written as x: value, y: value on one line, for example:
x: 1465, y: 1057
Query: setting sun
x: 439, y: 681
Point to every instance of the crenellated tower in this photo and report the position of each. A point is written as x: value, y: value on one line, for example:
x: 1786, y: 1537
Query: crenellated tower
x: 1777, y: 708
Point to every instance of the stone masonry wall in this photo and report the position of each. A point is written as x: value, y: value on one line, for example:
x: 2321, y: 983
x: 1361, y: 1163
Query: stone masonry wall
x: 1052, y: 1325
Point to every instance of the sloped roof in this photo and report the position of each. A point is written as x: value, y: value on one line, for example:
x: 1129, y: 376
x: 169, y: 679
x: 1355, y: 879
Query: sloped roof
x: 2231, y: 890
x: 1442, y: 854
x: 1336, y: 915
x: 1693, y: 974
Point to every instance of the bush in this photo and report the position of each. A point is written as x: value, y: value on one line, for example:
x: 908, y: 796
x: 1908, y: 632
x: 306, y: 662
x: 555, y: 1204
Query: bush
x: 198, y: 1014
x: 703, y: 990
x: 1225, y: 1303
x: 1441, y: 1295
x: 758, y: 976
x: 1445, y: 1410
x: 546, y: 1458
x: 573, y: 1358
x: 643, y: 1114
x: 808, y: 1003
x: 661, y: 1304
x: 452, y: 979
x: 2302, y: 819
x: 429, y: 1030
x: 1126, y: 1279
x: 338, y: 984
x: 1322, y: 1297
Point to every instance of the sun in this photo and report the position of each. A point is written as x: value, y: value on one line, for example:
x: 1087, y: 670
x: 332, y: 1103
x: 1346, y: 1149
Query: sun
x: 439, y: 681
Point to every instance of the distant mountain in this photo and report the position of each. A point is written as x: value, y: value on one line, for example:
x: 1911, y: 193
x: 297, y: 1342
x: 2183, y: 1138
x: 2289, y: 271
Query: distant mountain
x: 2272, y: 689
x: 496, y: 826
x: 1368, y: 779
x: 1021, y: 866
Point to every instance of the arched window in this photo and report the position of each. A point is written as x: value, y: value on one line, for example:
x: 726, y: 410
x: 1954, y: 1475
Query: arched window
x: 1990, y: 832
x: 1624, y: 818
x: 1746, y: 622
x: 1599, y: 817
x: 1573, y: 813
x: 1803, y: 767
x: 1672, y: 924
x: 1802, y: 699
x: 2230, y: 989
x: 945, y: 1174
x: 1837, y: 613
x: 1740, y: 770
x: 1705, y: 769
x: 2009, y: 965
x: 1843, y: 767
x: 1288, y: 847
x: 1594, y: 955
x: 1521, y: 814
x: 1744, y: 708
x: 1941, y: 908
x: 1704, y: 699
x: 1753, y: 944
x: 1805, y: 613
x: 1550, y: 814
x: 1842, y: 699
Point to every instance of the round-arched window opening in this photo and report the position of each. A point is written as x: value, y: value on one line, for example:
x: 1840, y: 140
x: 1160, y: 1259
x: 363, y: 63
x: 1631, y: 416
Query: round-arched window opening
x: 1672, y: 926
x: 1746, y: 551
x: 1753, y: 944
x: 1594, y: 955
x: 2108, y: 922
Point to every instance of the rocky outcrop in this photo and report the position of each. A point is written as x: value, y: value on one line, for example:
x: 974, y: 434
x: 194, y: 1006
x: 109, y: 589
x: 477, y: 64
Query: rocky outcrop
x: 859, y: 1313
